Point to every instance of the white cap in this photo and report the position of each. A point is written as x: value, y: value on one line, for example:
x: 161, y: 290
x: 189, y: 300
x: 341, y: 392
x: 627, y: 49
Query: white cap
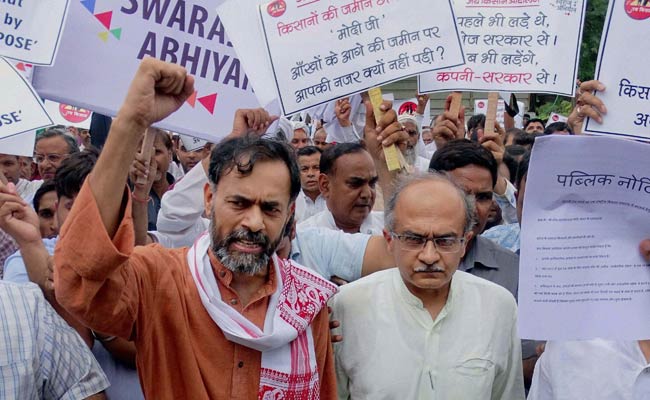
x: 191, y: 143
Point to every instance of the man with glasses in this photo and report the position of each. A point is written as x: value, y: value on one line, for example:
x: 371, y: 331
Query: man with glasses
x: 425, y: 330
x: 52, y: 147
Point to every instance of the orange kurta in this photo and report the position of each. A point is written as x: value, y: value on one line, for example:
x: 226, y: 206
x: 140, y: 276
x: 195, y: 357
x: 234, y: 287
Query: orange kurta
x: 148, y: 294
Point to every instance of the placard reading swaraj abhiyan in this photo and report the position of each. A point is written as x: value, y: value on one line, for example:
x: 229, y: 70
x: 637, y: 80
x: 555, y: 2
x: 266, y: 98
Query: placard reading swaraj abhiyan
x: 105, y: 40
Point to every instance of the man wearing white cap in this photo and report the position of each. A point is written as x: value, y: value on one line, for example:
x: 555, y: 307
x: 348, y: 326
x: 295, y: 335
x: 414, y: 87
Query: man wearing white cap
x: 412, y: 127
x: 191, y: 151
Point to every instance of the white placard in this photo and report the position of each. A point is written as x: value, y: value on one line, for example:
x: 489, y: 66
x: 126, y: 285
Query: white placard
x: 105, y: 40
x: 19, y: 145
x: 627, y: 94
x: 21, y: 109
x: 519, y: 46
x: 30, y: 30
x: 320, y: 51
x: 586, y: 208
x: 67, y: 115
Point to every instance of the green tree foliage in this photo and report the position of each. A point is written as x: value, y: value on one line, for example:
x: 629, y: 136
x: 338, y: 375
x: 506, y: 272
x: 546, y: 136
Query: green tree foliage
x: 593, y: 30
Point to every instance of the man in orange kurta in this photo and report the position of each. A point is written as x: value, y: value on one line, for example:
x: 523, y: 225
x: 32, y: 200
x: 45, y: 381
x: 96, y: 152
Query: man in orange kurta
x: 188, y: 348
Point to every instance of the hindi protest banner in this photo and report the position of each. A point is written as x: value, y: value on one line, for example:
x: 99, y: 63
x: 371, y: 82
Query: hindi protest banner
x: 321, y: 51
x: 30, y: 30
x: 19, y: 145
x: 67, y: 115
x: 21, y: 110
x: 628, y: 84
x: 517, y: 46
x: 104, y: 41
x: 586, y: 209
x: 480, y: 107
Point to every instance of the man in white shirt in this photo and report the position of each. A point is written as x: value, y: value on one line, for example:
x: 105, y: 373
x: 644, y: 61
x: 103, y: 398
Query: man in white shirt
x: 426, y: 330
x: 309, y: 201
x: 347, y: 181
x: 10, y: 167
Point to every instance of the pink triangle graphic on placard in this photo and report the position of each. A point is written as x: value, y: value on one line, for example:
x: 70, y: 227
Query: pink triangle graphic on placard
x: 209, y: 102
x: 105, y: 18
x: 192, y: 99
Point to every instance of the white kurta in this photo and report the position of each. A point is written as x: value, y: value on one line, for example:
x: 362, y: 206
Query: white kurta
x: 306, y: 207
x: 591, y: 369
x: 392, y: 349
x: 372, y: 225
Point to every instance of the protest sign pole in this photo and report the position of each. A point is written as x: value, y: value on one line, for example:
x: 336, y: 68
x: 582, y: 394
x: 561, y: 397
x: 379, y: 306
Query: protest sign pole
x: 456, y: 102
x: 391, y: 153
x: 491, y: 114
x: 145, y: 151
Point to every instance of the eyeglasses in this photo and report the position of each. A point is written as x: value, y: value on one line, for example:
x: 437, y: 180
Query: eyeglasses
x: 52, y: 158
x: 444, y: 244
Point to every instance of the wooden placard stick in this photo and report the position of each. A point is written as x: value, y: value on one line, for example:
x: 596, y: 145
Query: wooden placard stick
x: 456, y: 102
x: 491, y: 114
x: 391, y: 153
x: 3, y: 179
x: 146, y: 150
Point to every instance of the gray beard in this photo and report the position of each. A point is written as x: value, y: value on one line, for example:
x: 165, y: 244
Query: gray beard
x: 410, y: 155
x: 245, y: 263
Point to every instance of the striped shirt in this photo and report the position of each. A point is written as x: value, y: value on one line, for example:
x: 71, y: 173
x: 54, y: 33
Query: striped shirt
x: 41, y: 357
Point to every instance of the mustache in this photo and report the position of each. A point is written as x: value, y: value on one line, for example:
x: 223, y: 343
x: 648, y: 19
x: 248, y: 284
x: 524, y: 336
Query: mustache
x: 244, y: 234
x: 429, y: 268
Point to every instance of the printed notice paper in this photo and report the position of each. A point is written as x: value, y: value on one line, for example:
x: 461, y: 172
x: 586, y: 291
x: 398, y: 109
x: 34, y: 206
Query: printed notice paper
x: 627, y: 94
x: 21, y: 109
x: 320, y: 51
x: 586, y: 208
x: 113, y: 36
x: 514, y: 46
x: 30, y: 30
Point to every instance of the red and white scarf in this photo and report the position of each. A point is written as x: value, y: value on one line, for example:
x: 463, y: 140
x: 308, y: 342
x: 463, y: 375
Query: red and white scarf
x: 289, y: 369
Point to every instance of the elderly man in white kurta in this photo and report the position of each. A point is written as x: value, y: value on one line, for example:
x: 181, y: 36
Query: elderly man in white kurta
x: 424, y: 330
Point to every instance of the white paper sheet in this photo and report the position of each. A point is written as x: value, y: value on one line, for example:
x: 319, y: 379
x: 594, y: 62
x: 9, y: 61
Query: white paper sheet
x: 586, y: 208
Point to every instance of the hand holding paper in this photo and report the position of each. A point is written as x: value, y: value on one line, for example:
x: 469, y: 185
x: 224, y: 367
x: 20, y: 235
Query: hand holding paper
x: 587, y: 105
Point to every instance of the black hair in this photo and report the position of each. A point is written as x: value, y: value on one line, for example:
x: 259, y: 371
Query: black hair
x: 476, y: 121
x: 73, y: 171
x: 244, y: 152
x: 522, y: 169
x: 532, y: 120
x: 329, y: 157
x: 557, y: 127
x: 461, y: 153
x: 46, y: 187
x: 308, y: 151
x: 164, y: 136
x: 58, y: 132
